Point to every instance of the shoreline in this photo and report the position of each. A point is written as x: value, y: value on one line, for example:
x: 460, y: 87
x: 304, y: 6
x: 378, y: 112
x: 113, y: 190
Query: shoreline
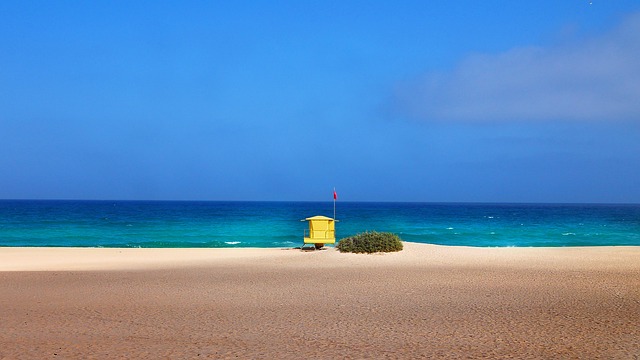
x: 424, y: 301
x: 99, y: 258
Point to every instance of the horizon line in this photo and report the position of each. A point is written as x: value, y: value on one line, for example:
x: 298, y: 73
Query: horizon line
x: 331, y: 200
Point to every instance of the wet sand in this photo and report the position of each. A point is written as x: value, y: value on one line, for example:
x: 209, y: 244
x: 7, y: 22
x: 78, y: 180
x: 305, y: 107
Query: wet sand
x: 426, y: 301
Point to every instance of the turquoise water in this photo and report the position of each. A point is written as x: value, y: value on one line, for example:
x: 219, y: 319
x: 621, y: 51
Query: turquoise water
x: 277, y: 224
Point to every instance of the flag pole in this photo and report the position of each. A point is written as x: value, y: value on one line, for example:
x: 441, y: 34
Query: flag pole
x: 335, y: 196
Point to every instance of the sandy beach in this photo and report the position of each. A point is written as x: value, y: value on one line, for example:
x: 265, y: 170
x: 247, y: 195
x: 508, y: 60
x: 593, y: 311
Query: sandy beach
x: 426, y: 301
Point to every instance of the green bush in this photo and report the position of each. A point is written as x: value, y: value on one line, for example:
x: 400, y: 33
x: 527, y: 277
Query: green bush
x: 370, y: 242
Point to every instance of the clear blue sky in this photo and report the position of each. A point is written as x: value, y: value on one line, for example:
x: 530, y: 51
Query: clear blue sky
x: 491, y: 101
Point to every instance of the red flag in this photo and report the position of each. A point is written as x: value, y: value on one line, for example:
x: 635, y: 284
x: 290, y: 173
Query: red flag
x: 335, y: 195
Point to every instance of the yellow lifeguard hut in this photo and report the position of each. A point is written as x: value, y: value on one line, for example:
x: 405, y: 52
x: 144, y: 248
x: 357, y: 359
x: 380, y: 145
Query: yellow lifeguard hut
x: 322, y: 230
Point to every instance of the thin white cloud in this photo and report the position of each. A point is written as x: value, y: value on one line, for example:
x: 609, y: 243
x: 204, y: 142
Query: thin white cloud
x: 593, y: 79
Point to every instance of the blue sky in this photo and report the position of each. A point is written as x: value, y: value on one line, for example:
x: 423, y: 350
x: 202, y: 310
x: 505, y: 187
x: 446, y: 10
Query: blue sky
x: 489, y: 101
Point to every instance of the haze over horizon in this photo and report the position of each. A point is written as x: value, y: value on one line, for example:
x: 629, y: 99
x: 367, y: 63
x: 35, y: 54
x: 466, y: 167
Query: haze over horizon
x: 467, y: 101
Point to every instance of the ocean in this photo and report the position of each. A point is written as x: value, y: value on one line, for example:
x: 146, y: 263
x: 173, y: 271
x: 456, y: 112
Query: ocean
x: 178, y: 224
